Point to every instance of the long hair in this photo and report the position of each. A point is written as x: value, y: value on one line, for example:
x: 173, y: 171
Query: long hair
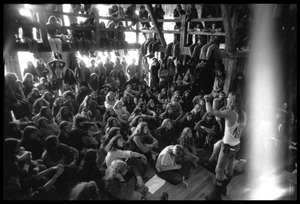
x: 85, y: 191
x: 27, y: 75
x: 236, y: 103
x: 184, y: 140
x: 164, y: 122
x: 117, y: 166
x: 139, y: 130
x: 50, y: 146
x: 88, y: 165
x: 111, y: 133
x: 113, y: 144
x: 10, y: 146
x: 85, y: 101
x: 27, y: 132
x: 43, y: 112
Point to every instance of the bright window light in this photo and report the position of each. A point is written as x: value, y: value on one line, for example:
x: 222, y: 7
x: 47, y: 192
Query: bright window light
x: 25, y: 57
x: 25, y: 12
x: 264, y: 81
x: 103, y: 9
x: 66, y: 8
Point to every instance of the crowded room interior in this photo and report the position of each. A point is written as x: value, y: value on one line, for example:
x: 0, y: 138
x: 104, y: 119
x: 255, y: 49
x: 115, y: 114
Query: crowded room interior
x: 150, y: 102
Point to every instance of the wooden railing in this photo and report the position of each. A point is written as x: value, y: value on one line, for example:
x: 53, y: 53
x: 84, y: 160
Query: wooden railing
x: 182, y: 31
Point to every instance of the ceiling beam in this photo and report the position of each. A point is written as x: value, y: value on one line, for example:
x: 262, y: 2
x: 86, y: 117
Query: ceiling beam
x: 155, y: 23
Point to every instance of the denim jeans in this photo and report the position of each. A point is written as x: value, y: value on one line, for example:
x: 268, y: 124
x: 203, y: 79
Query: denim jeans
x: 176, y: 176
x: 225, y: 162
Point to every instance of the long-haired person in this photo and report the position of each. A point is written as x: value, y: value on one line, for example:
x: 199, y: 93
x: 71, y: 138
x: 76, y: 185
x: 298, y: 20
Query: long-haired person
x: 235, y: 121
x: 116, y: 185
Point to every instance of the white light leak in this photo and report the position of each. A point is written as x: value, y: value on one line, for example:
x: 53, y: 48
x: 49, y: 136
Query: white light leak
x: 264, y: 83
x: 67, y: 9
x: 25, y: 57
x: 25, y: 12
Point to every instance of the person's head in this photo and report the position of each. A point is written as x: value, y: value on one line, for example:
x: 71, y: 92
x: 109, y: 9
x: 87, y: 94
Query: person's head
x: 186, y: 94
x: 28, y: 77
x: 118, y: 105
x: 158, y: 6
x: 30, y: 133
x: 163, y: 91
x: 142, y: 7
x: 102, y: 24
x: 221, y: 95
x: 117, y: 142
x: 167, y: 123
x: 111, y: 133
x: 187, y: 132
x: 169, y: 108
x: 138, y: 119
x: 234, y: 100
x: 11, y: 147
x: 35, y: 92
x: 13, y: 127
x: 285, y: 105
x: 45, y: 111
x: 52, y: 143
x: 137, y: 111
x: 177, y: 151
x: 30, y: 64
x: 201, y: 102
x: 79, y: 120
x: 189, y: 116
x: 110, y: 96
x: 11, y: 77
x: 240, y: 76
x: 85, y: 191
x: 47, y: 96
x: 133, y: 61
x: 87, y: 101
x: 116, y: 167
x: 42, y: 122
x: 113, y: 122
x: 142, y: 128
x: 112, y: 25
x: 178, y: 6
x: 67, y: 95
x: 52, y: 20
x: 209, y: 117
x: 65, y: 126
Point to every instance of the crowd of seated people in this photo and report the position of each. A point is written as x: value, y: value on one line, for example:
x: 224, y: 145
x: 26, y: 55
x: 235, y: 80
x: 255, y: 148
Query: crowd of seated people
x: 101, y: 136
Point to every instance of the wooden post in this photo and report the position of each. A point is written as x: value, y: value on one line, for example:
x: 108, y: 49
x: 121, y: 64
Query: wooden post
x: 155, y: 23
x: 98, y: 31
x: 229, y: 41
x: 137, y: 32
x: 43, y: 21
x: 230, y: 67
x: 183, y: 31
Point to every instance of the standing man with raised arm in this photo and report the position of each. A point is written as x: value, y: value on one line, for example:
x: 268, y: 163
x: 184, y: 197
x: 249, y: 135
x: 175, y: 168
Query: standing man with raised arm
x: 235, y: 121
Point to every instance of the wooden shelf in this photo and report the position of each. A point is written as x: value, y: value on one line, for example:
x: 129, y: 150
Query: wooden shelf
x: 65, y: 47
x: 206, y: 33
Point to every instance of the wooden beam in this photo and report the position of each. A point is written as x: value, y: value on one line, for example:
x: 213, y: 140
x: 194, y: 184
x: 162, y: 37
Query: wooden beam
x: 206, y: 33
x: 229, y: 41
x: 161, y: 20
x: 43, y: 21
x: 206, y: 19
x: 160, y: 34
x: 183, y: 30
x: 65, y: 47
x: 98, y: 31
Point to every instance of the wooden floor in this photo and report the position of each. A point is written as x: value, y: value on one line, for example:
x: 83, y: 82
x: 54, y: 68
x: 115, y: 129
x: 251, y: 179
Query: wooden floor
x: 201, y: 183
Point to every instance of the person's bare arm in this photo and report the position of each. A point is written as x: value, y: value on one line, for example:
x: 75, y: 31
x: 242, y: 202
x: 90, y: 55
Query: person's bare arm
x: 218, y: 113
